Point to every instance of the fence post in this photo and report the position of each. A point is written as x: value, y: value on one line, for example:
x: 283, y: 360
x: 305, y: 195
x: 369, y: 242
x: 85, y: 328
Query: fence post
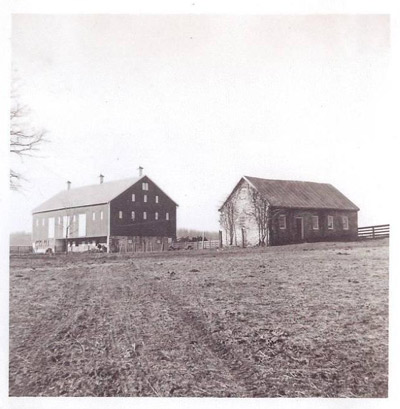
x: 220, y: 238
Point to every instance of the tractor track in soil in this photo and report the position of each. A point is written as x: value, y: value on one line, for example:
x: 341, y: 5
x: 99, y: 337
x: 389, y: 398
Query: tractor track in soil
x: 241, y: 375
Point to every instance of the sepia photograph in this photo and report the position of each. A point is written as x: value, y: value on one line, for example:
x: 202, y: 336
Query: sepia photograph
x: 199, y: 206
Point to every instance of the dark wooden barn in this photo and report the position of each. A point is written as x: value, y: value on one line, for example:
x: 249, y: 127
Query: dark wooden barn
x: 273, y: 212
x: 122, y: 213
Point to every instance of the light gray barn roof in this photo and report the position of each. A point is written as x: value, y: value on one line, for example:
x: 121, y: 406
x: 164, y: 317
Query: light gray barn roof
x: 299, y: 195
x: 87, y: 195
x: 296, y: 194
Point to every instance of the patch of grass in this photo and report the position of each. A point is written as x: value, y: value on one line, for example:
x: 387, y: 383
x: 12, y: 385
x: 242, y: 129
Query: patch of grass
x: 296, y: 321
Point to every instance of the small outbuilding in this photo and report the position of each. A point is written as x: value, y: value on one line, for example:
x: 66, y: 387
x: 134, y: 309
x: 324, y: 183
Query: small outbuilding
x: 274, y: 212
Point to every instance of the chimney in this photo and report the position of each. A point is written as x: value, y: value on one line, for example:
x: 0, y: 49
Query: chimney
x: 68, y: 185
x: 101, y: 178
x: 140, y: 171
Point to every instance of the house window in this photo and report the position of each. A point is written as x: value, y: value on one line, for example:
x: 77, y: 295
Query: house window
x: 315, y: 222
x: 282, y: 222
x: 133, y: 215
x: 145, y: 186
x: 330, y: 222
x: 94, y: 216
x: 120, y: 214
x: 43, y: 222
x: 37, y: 222
x: 167, y: 216
x: 101, y: 215
x: 144, y: 215
x: 133, y: 197
x: 145, y: 198
x: 156, y: 199
x: 156, y: 216
x: 345, y: 221
x: 74, y: 218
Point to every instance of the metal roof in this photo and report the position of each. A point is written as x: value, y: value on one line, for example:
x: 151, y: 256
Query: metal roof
x: 87, y: 195
x: 296, y: 194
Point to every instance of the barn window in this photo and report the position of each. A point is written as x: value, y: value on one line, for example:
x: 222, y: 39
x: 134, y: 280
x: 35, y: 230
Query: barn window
x: 120, y: 214
x: 156, y: 198
x: 74, y: 218
x: 144, y: 215
x: 282, y: 222
x: 167, y: 216
x: 145, y: 198
x: 315, y: 222
x: 330, y: 222
x: 101, y: 215
x: 37, y: 222
x: 94, y: 216
x: 133, y: 215
x: 145, y: 186
x: 133, y: 197
x: 345, y: 221
x: 156, y: 216
x: 43, y: 222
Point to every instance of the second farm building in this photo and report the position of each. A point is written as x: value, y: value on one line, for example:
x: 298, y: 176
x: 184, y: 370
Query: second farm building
x: 273, y: 212
x: 125, y: 214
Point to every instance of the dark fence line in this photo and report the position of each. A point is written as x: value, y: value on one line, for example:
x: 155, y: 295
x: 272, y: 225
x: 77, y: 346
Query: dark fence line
x: 21, y: 249
x: 184, y: 245
x: 374, y: 232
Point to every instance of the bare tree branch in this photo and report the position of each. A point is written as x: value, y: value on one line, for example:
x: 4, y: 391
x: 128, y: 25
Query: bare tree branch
x: 24, y: 139
x: 263, y: 215
x: 228, y: 218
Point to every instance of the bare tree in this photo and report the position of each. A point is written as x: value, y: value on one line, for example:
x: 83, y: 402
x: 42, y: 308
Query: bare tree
x: 263, y: 215
x: 228, y: 216
x: 24, y: 139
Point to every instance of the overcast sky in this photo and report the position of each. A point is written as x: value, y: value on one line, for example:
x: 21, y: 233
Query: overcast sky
x: 199, y: 101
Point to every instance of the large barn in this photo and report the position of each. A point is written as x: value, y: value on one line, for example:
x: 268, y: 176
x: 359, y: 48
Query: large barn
x: 273, y: 212
x: 130, y: 214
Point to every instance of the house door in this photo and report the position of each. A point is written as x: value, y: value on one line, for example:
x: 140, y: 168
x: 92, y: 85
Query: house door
x: 299, y: 233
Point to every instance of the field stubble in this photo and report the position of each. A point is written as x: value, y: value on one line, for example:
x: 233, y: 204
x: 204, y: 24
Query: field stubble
x: 299, y: 321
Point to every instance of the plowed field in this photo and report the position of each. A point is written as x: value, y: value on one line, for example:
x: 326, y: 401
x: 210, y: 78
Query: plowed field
x: 298, y: 321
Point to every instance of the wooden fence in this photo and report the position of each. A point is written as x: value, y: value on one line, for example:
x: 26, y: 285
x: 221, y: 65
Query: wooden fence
x: 151, y: 247
x: 207, y: 244
x: 374, y: 232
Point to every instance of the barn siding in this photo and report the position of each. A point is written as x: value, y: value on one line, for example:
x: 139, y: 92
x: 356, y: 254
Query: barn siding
x: 140, y: 227
x: 288, y: 235
x: 94, y: 228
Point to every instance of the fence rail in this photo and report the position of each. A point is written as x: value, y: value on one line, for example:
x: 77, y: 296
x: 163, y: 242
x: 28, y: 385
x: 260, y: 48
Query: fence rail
x: 196, y: 245
x: 374, y: 232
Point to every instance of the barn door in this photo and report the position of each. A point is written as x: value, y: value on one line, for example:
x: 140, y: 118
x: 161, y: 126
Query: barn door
x: 82, y: 225
x: 51, y: 228
x: 299, y: 229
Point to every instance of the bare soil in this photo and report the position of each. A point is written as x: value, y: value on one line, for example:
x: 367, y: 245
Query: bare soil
x: 298, y: 321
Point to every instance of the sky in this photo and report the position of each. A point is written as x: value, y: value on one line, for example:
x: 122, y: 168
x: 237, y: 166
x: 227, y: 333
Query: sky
x: 201, y: 100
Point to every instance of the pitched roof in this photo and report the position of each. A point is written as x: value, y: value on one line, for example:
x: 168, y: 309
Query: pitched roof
x: 87, y: 195
x: 296, y: 194
x: 299, y: 195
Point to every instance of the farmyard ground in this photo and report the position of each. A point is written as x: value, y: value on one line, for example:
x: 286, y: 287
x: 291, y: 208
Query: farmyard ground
x: 297, y: 321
